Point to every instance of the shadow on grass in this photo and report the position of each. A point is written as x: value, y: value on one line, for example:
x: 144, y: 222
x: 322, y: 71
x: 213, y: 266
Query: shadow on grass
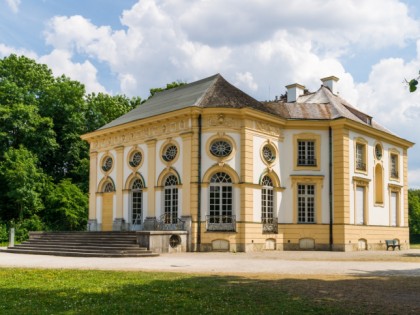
x: 108, y: 292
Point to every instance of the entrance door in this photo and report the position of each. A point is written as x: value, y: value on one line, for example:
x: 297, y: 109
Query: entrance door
x: 360, y: 205
x: 394, y: 198
x: 107, y: 206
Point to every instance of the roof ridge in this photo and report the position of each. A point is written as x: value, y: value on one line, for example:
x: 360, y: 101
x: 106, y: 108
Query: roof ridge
x: 217, y: 77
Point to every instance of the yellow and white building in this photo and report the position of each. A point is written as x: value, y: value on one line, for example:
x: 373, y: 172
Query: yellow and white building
x: 307, y: 172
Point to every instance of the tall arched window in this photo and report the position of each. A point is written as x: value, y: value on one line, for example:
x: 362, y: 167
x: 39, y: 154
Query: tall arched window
x: 171, y: 200
x: 267, y: 200
x: 221, y: 198
x: 136, y: 203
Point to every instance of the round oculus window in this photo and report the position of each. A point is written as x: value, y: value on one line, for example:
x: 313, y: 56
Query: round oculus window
x: 107, y: 164
x: 135, y: 159
x: 269, y: 154
x: 170, y: 153
x: 378, y: 151
x: 220, y: 148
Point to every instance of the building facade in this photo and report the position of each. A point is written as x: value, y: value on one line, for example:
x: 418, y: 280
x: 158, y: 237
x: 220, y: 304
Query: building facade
x: 308, y: 171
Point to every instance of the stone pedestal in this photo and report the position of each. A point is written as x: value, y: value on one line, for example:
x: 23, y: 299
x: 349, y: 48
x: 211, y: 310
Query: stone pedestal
x: 119, y: 224
x: 93, y: 226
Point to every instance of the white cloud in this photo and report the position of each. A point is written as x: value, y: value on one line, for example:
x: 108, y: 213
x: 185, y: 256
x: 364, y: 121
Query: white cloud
x: 7, y: 50
x: 259, y: 45
x: 245, y: 78
x: 414, y: 178
x: 60, y: 62
x: 13, y: 5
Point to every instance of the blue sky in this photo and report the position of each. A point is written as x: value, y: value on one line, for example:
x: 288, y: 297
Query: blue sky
x: 129, y: 46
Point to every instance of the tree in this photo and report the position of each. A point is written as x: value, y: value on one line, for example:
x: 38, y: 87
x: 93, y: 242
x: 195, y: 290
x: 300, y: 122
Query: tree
x: 103, y: 108
x: 412, y: 84
x: 169, y: 86
x: 414, y: 211
x: 22, y: 185
x: 66, y: 207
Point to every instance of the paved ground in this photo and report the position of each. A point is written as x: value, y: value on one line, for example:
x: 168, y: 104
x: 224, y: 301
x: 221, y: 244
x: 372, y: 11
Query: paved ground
x: 383, y: 263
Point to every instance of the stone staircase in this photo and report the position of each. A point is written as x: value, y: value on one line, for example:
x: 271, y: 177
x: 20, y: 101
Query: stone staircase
x: 82, y: 244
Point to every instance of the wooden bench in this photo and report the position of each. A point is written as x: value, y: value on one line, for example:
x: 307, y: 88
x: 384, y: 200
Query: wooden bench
x: 393, y: 244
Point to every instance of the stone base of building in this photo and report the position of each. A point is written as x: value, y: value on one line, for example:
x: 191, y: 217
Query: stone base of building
x: 163, y: 241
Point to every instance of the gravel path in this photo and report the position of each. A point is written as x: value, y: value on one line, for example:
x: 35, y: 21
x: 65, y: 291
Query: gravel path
x: 404, y: 263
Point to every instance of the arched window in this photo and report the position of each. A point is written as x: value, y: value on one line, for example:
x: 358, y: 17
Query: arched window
x: 109, y: 187
x: 267, y: 200
x: 379, y: 190
x: 221, y: 198
x: 136, y: 203
x: 171, y: 200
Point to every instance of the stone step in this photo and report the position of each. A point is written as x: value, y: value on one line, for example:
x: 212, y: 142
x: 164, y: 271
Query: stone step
x: 79, y: 253
x: 83, y: 241
x: 83, y: 248
x: 82, y: 244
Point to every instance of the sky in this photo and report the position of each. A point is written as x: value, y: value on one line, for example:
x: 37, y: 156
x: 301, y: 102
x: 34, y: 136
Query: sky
x: 260, y: 46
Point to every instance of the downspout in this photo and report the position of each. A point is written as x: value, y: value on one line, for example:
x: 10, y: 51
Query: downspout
x: 330, y: 189
x: 199, y: 187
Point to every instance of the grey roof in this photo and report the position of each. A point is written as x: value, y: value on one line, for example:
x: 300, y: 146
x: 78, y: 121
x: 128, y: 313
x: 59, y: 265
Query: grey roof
x: 215, y: 91
x: 322, y: 105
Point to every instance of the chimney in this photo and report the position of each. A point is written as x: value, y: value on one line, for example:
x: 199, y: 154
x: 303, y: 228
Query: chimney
x: 331, y: 83
x: 294, y: 91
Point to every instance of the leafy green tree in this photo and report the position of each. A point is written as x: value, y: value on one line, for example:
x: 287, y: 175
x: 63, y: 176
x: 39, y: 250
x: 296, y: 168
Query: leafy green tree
x: 66, y: 207
x: 22, y: 184
x: 169, y: 86
x: 103, y: 108
x: 412, y: 84
x: 22, y: 80
x: 23, y: 125
x: 414, y: 211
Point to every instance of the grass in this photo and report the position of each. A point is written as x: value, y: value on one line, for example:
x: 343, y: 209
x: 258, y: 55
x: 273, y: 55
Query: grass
x: 415, y: 241
x: 37, y: 291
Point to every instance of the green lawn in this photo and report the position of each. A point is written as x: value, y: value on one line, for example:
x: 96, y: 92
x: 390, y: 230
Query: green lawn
x: 415, y: 241
x: 30, y: 291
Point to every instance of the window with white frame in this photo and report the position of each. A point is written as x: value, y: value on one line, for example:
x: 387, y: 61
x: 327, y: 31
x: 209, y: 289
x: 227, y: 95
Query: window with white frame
x: 171, y: 200
x: 394, y: 165
x: 136, y: 202
x: 306, y: 203
x: 306, y: 153
x: 267, y: 200
x: 360, y: 157
x: 221, y: 197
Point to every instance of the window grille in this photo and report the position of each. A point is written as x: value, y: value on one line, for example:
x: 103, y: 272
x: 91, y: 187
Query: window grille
x: 135, y: 159
x: 221, y: 197
x: 107, y: 165
x: 171, y: 200
x: 170, y: 153
x: 269, y: 154
x: 109, y: 187
x: 221, y: 148
x: 267, y: 200
x: 360, y: 157
x: 306, y: 153
x: 394, y: 165
x: 306, y: 203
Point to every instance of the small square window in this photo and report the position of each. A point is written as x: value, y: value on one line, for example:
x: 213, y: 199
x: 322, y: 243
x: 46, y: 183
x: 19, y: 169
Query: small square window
x: 306, y: 153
